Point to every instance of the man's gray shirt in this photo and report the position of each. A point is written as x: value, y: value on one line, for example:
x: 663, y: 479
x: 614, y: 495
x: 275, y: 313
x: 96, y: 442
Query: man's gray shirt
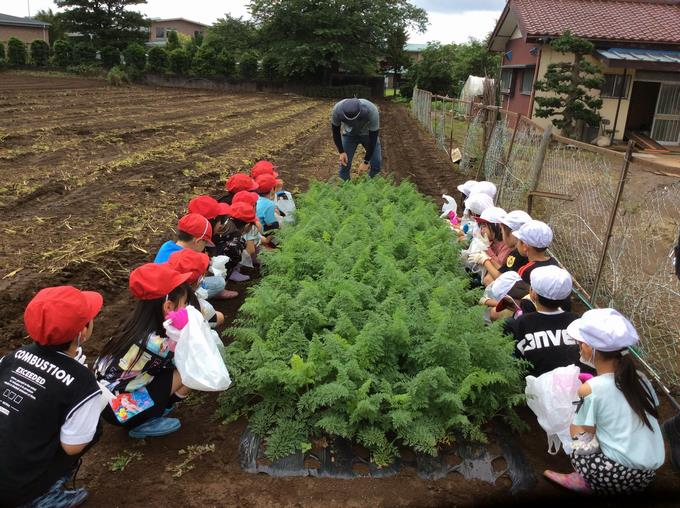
x: 368, y: 120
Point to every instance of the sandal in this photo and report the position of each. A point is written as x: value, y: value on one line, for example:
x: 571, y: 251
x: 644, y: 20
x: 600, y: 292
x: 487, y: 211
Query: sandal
x: 572, y: 481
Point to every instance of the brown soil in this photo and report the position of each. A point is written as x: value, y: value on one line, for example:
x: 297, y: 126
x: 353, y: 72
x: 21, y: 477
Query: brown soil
x: 93, y: 180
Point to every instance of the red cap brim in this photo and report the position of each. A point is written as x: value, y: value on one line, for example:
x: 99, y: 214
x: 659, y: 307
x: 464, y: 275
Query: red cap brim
x: 506, y: 303
x: 95, y: 301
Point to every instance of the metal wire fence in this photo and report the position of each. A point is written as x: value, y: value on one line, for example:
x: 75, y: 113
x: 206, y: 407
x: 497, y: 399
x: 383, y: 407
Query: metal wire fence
x: 615, y: 217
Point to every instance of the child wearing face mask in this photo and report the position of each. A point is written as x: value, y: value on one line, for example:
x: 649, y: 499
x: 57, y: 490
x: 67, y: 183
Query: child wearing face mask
x: 136, y: 365
x: 618, y: 444
x: 51, y: 402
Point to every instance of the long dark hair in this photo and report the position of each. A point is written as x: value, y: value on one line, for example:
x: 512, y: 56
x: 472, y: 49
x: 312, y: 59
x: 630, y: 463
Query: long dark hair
x: 146, y: 318
x: 627, y: 379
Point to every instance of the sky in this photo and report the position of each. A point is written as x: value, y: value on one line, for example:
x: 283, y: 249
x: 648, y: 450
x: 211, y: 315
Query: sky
x: 450, y: 20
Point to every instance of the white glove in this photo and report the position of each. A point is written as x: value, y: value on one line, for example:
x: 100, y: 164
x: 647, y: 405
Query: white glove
x: 478, y: 258
x: 483, y: 300
x: 201, y: 293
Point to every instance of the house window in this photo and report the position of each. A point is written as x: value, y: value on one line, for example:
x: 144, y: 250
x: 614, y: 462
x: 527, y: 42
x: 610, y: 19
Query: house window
x: 160, y: 32
x: 506, y: 80
x: 528, y: 80
x: 197, y: 33
x: 615, y: 87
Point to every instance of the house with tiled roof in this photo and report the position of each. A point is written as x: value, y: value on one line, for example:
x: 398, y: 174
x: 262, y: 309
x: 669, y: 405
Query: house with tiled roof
x: 637, y: 47
x: 26, y: 30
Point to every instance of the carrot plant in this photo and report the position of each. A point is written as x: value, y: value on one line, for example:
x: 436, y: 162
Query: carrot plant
x: 364, y: 327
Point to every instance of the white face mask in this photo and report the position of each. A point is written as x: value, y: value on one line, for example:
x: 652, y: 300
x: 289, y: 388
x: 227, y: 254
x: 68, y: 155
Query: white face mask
x: 590, y: 362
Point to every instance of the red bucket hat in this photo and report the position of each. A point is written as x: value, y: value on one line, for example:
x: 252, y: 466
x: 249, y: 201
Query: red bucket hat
x: 243, y: 211
x: 197, y: 226
x: 263, y: 168
x: 245, y: 197
x: 266, y: 183
x: 153, y: 280
x: 191, y: 262
x: 56, y: 315
x: 240, y: 182
x: 208, y: 207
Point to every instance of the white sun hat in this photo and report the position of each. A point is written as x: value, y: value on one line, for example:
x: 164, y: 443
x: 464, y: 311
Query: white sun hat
x: 466, y: 188
x: 535, y: 234
x: 493, y: 214
x: 551, y: 282
x: 503, y: 284
x: 478, y: 202
x: 604, y: 330
x: 484, y: 187
x: 515, y: 219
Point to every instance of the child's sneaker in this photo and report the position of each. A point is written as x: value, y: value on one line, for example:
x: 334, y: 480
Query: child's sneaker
x: 58, y: 497
x: 572, y: 481
x: 155, y: 427
x: 237, y: 276
x: 226, y: 294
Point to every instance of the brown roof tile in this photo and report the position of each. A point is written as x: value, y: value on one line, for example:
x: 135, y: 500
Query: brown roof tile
x: 620, y: 20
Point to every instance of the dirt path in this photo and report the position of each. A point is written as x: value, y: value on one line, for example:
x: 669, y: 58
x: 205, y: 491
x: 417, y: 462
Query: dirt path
x: 124, y: 204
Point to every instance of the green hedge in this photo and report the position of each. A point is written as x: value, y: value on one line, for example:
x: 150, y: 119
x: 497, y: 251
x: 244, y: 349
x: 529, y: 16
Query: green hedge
x: 364, y: 327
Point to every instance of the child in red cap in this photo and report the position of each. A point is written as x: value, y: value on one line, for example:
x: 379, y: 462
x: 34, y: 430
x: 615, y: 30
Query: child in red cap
x: 231, y: 242
x: 237, y: 183
x: 51, y: 403
x: 266, y: 207
x: 195, y: 232
x: 196, y: 264
x: 137, y: 363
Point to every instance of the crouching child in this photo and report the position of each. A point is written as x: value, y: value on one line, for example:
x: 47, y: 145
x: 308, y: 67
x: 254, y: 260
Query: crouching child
x: 49, y: 412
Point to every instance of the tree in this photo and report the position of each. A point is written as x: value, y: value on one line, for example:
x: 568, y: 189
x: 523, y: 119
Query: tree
x: 16, y: 52
x: 226, y: 64
x: 83, y: 53
x: 135, y: 56
x: 2, y: 51
x: 63, y: 53
x: 204, y: 62
x: 473, y: 59
x: 158, y: 59
x: 110, y: 56
x: 569, y: 85
x: 395, y: 57
x: 106, y: 22
x: 180, y: 61
x: 314, y: 39
x: 57, y: 29
x: 434, y: 71
x: 173, y: 41
x: 270, y: 67
x: 234, y: 35
x: 247, y: 65
x: 40, y: 53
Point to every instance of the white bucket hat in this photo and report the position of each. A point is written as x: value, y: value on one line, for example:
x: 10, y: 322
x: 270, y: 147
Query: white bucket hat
x: 493, y: 214
x: 466, y: 188
x: 503, y: 284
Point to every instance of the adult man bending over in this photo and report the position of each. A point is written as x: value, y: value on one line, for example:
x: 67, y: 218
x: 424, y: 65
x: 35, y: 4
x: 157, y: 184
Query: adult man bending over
x: 359, y: 120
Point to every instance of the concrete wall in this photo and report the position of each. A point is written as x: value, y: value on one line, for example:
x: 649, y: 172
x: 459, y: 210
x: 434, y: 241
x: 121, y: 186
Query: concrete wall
x: 180, y: 26
x: 609, y: 106
x: 25, y: 34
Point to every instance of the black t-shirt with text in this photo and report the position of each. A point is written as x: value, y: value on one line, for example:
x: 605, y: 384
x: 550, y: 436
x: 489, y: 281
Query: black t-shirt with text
x: 39, y: 390
x: 542, y: 339
x: 513, y: 262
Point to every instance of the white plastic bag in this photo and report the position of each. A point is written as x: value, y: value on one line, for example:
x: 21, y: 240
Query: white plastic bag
x: 478, y: 244
x: 286, y: 204
x: 198, y: 356
x: 551, y: 396
x: 218, y: 266
x: 449, y: 206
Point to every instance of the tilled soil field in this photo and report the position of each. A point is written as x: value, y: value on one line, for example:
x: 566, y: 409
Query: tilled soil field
x: 92, y: 181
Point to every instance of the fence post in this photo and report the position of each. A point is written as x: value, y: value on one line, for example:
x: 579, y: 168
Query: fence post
x: 512, y: 139
x: 612, y: 219
x: 453, y: 107
x: 486, y: 138
x: 538, y: 165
